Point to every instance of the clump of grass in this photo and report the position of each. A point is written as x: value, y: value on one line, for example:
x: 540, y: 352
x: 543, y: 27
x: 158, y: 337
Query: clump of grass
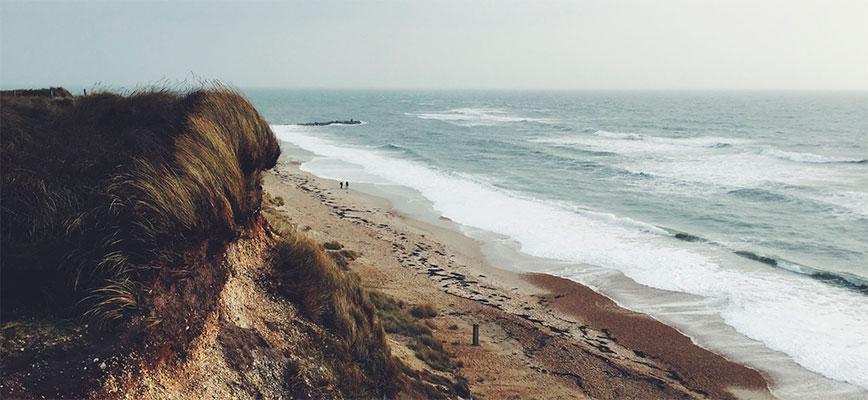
x: 348, y: 254
x: 101, y: 191
x: 397, y: 319
x: 430, y: 350
x: 341, y: 256
x: 423, y: 311
x: 332, y: 245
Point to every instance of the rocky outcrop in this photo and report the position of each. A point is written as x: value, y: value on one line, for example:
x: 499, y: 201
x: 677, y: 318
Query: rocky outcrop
x: 335, y: 122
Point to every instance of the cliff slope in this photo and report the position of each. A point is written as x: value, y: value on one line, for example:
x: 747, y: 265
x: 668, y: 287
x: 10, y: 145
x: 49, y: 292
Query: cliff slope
x: 136, y: 262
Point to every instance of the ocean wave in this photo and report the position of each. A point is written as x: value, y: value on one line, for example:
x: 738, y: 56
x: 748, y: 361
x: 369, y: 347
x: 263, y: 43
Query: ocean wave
x: 758, y: 194
x: 815, y: 323
x: 710, y: 164
x: 841, y: 204
x: 811, y: 158
x: 469, y: 117
x: 844, y: 280
x: 396, y: 148
x: 634, y: 143
x: 392, y: 146
x: 849, y: 204
x: 840, y: 279
x: 734, y: 165
x: 735, y: 170
x: 680, y: 235
x: 619, y: 135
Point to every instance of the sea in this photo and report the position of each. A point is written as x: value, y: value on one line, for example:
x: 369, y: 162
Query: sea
x: 738, y: 217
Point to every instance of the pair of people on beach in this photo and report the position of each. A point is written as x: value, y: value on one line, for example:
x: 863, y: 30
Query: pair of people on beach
x: 345, y: 185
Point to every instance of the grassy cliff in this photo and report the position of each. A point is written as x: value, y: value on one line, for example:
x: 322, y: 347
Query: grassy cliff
x: 133, y: 251
x: 101, y: 192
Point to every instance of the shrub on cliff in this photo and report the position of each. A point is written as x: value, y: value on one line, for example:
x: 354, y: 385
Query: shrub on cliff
x: 335, y: 299
x: 99, y: 192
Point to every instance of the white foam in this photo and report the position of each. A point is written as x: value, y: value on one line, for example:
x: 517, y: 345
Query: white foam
x: 637, y: 144
x: 734, y: 170
x: 791, y: 267
x: 478, y: 117
x: 707, y: 174
x: 809, y: 157
x: 821, y: 327
x: 710, y: 160
x: 852, y: 202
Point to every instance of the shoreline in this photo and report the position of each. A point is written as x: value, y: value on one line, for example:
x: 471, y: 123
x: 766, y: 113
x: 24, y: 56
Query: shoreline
x: 519, y: 309
x: 722, y: 301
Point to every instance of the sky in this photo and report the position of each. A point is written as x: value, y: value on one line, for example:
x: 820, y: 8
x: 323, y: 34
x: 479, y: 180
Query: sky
x: 579, y: 44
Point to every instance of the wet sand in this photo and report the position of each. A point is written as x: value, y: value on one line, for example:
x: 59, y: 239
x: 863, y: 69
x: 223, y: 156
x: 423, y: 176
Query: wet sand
x: 644, y: 334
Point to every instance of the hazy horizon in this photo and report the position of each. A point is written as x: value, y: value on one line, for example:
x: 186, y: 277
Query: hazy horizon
x: 584, y: 45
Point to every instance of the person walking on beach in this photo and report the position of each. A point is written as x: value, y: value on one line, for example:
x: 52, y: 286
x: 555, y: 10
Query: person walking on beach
x: 342, y: 184
x: 347, y: 185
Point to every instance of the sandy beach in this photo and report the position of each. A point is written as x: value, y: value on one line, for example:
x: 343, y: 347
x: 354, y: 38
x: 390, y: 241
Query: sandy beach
x: 541, y: 336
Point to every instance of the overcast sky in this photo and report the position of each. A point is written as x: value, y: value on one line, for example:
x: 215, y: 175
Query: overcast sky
x: 581, y: 44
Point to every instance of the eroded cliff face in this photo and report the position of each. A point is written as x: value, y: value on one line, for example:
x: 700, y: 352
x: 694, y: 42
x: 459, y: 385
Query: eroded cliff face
x: 226, y: 330
x: 260, y: 341
x: 254, y: 343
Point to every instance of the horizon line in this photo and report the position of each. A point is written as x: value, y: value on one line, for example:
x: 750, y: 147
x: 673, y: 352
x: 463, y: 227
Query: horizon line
x: 165, y: 83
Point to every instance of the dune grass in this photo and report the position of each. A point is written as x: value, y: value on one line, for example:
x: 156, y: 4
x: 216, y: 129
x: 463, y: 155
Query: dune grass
x: 99, y: 192
x: 334, y: 298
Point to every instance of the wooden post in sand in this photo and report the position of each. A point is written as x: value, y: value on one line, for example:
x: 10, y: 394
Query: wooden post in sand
x: 476, y: 334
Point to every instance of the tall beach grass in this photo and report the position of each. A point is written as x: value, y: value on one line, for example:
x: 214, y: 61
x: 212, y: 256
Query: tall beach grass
x: 100, y: 191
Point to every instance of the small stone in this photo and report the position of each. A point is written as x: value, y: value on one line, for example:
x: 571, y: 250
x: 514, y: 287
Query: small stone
x: 102, y: 365
x: 95, y: 359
